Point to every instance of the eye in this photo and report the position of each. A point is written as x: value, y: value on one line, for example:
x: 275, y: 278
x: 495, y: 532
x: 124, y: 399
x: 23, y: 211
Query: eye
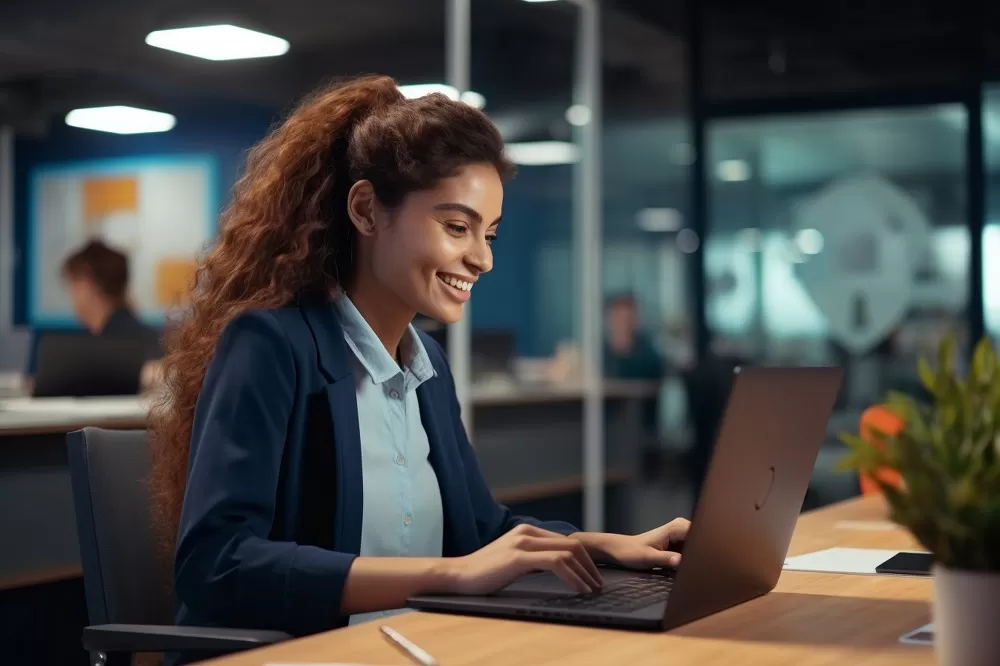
x: 456, y: 227
x: 490, y: 238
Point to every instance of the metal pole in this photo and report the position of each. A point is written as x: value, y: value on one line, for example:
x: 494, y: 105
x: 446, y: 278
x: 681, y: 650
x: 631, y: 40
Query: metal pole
x: 700, y: 212
x: 6, y: 230
x: 458, y: 27
x: 975, y: 170
x: 587, y: 227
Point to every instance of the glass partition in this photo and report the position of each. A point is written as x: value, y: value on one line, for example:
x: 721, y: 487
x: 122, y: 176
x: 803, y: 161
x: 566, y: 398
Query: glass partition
x: 839, y: 238
x: 527, y: 368
x: 648, y: 242
x: 991, y: 231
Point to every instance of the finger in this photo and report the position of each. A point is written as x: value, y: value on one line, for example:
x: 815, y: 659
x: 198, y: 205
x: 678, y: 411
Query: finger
x: 587, y: 577
x: 555, y: 562
x: 565, y: 569
x: 589, y: 570
x: 661, y: 558
x: 678, y: 529
x: 534, y: 530
x: 588, y: 563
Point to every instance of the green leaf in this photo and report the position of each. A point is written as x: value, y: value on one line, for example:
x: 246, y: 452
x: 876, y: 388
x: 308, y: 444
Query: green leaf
x: 983, y: 361
x: 927, y: 375
x: 946, y: 356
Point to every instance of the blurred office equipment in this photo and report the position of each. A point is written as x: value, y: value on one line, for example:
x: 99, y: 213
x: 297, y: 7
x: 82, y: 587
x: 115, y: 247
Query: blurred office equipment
x: 129, y: 602
x: 81, y: 365
x: 492, y: 354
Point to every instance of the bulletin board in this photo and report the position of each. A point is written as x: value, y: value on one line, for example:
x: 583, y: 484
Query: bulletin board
x: 160, y: 211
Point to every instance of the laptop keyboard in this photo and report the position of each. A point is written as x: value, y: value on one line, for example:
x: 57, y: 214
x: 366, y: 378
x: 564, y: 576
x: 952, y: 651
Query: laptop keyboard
x: 622, y: 597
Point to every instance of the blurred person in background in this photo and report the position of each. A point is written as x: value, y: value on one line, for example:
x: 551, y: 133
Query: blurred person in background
x: 360, y: 210
x: 629, y: 352
x: 96, y: 278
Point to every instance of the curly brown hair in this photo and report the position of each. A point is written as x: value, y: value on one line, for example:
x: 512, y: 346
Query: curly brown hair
x: 286, y: 231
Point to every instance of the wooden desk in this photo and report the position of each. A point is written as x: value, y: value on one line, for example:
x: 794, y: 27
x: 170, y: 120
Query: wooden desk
x: 809, y: 620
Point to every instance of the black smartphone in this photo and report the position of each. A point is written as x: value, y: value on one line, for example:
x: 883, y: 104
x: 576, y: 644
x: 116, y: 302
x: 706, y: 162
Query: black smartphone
x: 907, y: 564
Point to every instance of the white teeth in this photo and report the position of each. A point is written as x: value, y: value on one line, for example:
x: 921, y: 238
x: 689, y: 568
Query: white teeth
x: 455, y: 282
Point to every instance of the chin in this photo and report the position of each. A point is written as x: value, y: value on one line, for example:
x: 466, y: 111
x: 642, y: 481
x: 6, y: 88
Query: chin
x: 446, y: 314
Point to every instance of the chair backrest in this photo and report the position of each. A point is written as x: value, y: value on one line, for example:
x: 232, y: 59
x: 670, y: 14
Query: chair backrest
x: 125, y: 576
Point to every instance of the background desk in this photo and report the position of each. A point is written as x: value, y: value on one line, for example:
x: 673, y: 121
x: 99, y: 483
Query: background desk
x: 528, y: 441
x: 42, y: 607
x: 36, y: 503
x: 810, y: 619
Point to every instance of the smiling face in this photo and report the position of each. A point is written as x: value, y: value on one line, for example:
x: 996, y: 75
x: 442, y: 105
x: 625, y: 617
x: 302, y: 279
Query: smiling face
x: 428, y: 252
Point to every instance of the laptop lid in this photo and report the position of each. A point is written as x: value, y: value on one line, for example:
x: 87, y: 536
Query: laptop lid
x: 73, y: 365
x: 768, y: 439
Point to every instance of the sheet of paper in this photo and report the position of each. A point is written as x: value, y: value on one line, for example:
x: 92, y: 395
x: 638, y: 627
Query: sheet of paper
x: 840, y: 560
x: 867, y: 525
x: 921, y: 636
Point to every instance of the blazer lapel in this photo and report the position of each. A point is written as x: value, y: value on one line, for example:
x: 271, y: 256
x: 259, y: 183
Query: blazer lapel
x: 447, y: 467
x: 341, y: 397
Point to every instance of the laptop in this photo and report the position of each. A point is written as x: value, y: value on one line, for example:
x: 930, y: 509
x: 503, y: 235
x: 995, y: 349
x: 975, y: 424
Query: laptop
x: 767, y: 443
x: 75, y: 365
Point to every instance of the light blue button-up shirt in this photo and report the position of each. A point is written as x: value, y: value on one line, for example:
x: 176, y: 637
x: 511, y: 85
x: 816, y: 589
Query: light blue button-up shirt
x: 401, y: 514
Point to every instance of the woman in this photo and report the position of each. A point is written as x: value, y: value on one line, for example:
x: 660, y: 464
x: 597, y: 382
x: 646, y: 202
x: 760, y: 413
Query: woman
x: 312, y: 462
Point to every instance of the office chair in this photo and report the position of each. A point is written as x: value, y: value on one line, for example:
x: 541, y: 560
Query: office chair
x: 127, y: 585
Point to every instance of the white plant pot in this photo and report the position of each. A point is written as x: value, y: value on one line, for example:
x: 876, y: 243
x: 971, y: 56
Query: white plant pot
x: 966, y: 617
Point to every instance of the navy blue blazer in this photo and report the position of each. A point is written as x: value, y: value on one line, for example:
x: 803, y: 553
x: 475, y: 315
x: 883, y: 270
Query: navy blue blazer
x: 272, y: 513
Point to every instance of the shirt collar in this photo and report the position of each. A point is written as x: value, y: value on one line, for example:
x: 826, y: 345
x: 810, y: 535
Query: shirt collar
x: 371, y: 353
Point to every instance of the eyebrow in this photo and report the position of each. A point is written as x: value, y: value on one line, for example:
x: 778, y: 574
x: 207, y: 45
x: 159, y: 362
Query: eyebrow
x: 465, y: 210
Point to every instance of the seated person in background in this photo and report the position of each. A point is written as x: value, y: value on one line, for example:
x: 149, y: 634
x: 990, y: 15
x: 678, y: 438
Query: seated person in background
x: 310, y: 461
x: 629, y: 352
x: 97, y: 280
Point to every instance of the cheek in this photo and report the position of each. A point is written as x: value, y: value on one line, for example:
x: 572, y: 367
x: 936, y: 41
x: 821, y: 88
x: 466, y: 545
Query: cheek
x: 398, y: 262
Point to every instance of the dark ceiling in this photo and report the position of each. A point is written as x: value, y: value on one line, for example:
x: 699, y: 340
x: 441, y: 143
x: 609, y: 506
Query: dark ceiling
x: 58, y: 54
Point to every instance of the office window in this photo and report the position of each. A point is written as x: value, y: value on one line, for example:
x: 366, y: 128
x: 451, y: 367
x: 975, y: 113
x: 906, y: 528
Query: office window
x: 839, y: 238
x: 991, y: 232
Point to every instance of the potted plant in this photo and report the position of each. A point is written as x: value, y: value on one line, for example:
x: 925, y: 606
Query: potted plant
x: 947, y: 454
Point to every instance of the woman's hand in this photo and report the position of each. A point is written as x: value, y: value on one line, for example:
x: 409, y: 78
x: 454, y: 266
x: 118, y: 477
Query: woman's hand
x: 642, y: 551
x: 524, y: 549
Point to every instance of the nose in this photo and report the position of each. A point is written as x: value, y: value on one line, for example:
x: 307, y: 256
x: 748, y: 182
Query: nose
x: 479, y: 258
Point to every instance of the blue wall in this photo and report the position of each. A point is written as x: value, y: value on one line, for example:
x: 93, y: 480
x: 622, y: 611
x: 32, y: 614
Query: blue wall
x: 536, y: 210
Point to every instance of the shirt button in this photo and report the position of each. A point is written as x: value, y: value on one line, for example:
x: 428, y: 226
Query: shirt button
x: 394, y: 394
x: 407, y: 520
x: 400, y: 460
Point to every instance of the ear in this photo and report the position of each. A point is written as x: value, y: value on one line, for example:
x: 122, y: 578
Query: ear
x: 361, y: 207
